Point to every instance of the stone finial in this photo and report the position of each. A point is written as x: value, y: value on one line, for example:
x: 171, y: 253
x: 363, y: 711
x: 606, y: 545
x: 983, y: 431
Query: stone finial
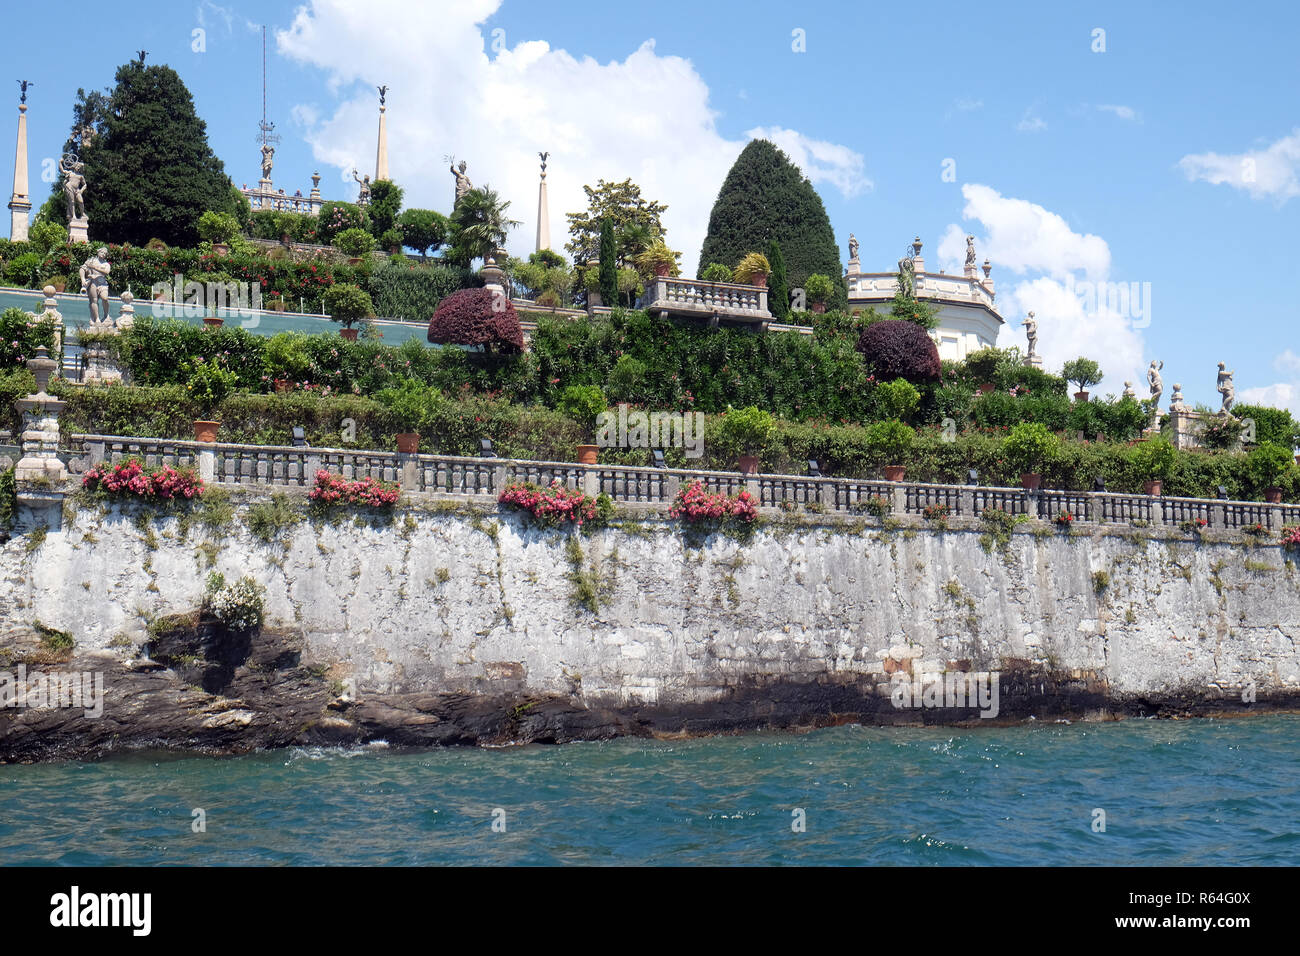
x: 987, y: 268
x: 50, y: 303
x: 916, y: 246
x: 126, y: 318
x: 42, y: 367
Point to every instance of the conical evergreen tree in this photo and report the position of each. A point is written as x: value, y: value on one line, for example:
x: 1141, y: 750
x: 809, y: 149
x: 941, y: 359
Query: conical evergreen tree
x: 765, y: 197
x: 778, y: 288
x: 608, y: 264
x: 150, y: 172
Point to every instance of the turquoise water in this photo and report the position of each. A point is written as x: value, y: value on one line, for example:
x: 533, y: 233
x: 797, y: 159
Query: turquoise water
x: 1185, y: 792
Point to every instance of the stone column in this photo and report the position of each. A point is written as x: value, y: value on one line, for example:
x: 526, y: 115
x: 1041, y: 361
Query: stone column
x: 543, y: 216
x: 381, y: 149
x: 20, y: 205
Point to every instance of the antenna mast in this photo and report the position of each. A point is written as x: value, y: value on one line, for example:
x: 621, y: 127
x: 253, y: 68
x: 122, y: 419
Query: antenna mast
x: 266, y: 130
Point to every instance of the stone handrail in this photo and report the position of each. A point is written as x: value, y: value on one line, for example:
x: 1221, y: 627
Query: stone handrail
x: 272, y: 466
x: 696, y: 296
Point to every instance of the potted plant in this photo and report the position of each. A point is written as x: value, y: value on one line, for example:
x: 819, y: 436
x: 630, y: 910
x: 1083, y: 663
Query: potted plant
x: 892, y: 440
x: 285, y: 360
x: 412, y: 407
x: 754, y: 269
x: 818, y: 289
x: 59, y: 283
x: 982, y: 365
x: 657, y: 258
x: 584, y: 403
x: 716, y: 272
x: 1154, y: 458
x: 747, y: 432
x: 213, y: 321
x: 345, y: 303
x: 218, y: 228
x: 355, y: 244
x: 1029, y: 446
x: 1266, y: 464
x: 209, y: 384
x: 276, y: 302
x: 1082, y: 372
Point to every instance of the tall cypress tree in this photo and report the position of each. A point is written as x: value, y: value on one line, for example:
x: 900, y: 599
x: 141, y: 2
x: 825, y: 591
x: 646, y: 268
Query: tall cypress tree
x: 608, y: 264
x: 778, y: 288
x: 765, y: 197
x: 150, y: 172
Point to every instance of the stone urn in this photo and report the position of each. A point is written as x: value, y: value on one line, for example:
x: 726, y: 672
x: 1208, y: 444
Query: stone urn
x: 588, y: 454
x: 748, y: 464
x: 663, y: 269
x: 1030, y: 480
x: 759, y: 280
x: 1155, y: 486
x: 205, y: 431
x: 408, y: 443
x: 895, y: 472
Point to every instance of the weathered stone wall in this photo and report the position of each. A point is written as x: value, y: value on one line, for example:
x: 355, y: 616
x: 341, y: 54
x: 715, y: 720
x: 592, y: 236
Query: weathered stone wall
x: 454, y: 602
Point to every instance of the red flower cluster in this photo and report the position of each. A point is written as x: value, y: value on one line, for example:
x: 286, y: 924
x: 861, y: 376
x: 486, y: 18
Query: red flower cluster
x: 128, y: 478
x: 1291, y: 536
x: 695, y: 504
x: 556, y: 505
x: 332, y: 489
x: 1064, y: 519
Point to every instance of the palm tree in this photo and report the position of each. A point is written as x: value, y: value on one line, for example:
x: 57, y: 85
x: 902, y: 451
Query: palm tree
x: 633, y: 239
x: 479, y: 225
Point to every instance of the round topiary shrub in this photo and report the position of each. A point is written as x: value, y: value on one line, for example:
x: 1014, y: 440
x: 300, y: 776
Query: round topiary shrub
x: 477, y: 317
x: 896, y: 348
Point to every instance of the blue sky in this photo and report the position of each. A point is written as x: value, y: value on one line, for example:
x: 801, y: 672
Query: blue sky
x: 1130, y: 165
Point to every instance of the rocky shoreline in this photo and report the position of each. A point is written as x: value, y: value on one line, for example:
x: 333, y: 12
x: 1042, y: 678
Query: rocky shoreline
x: 197, y: 687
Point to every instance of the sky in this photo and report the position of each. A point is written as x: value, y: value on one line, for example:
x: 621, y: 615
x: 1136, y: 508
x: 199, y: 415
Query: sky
x: 1090, y: 149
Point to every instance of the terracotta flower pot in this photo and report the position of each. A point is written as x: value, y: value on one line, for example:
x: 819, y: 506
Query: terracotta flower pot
x: 59, y: 284
x: 986, y: 388
x: 663, y: 269
x: 206, y: 431
x: 588, y: 454
x: 220, y: 249
x: 1030, y: 480
x: 894, y: 472
x: 819, y: 307
x: 349, y: 334
x: 277, y: 305
x: 283, y: 385
x: 759, y: 279
x: 213, y: 321
x: 408, y: 443
x: 1155, y: 486
x: 749, y: 464
x: 354, y: 260
x: 1080, y: 396
x: 1273, y: 495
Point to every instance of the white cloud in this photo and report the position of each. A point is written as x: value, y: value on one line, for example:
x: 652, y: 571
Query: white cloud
x: 821, y: 162
x: 1123, y: 112
x: 1288, y: 361
x: 225, y: 14
x: 457, y: 89
x: 1031, y: 122
x: 1282, y: 395
x: 967, y: 105
x: 1036, y: 243
x: 1272, y: 172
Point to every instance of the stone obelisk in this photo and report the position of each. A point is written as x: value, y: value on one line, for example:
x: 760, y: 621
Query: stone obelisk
x: 20, y: 206
x: 381, y: 150
x: 543, y: 211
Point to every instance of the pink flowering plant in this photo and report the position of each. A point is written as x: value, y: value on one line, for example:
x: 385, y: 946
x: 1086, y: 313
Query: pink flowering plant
x: 335, y: 491
x: 696, y: 506
x: 1291, y: 536
x: 130, y: 479
x: 557, y: 506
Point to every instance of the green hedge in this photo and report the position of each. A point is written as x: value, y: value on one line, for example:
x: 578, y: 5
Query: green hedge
x: 413, y: 292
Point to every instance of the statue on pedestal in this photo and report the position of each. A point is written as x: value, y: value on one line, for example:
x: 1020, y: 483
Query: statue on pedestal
x: 268, y: 159
x: 74, y: 186
x: 1128, y: 390
x: 853, y: 247
x: 970, y: 253
x: 463, y: 185
x: 1227, y: 389
x: 364, y: 197
x: 1031, y: 333
x: 94, y: 280
x: 1157, y: 385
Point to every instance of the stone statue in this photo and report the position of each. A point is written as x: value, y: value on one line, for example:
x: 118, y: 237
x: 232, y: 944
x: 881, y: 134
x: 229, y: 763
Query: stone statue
x: 1226, y: 389
x: 970, y: 253
x: 94, y: 280
x: 463, y: 185
x: 906, y: 276
x: 1157, y: 385
x: 1128, y: 390
x: 853, y: 246
x: 268, y: 158
x: 1031, y: 333
x: 74, y: 186
x: 24, y: 84
x: 364, y: 198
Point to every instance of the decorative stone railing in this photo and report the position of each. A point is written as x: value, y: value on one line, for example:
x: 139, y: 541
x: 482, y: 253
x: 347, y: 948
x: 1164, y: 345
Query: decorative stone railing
x: 882, y: 286
x: 712, y: 300
x: 277, y: 466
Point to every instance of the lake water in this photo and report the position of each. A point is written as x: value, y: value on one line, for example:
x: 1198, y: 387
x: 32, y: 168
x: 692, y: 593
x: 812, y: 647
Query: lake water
x: 1173, y: 792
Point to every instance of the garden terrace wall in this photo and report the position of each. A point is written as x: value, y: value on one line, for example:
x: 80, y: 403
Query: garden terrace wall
x: 262, y: 466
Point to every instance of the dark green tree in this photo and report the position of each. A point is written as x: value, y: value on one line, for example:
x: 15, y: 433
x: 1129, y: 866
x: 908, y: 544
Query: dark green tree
x: 423, y: 230
x: 608, y: 263
x: 765, y: 197
x: 479, y: 225
x: 385, y: 204
x: 149, y: 170
x: 778, y: 290
x: 623, y: 204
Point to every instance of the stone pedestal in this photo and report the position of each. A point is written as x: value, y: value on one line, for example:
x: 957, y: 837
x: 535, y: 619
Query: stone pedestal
x: 40, y: 436
x: 1034, y: 361
x: 79, y: 230
x: 1187, y: 427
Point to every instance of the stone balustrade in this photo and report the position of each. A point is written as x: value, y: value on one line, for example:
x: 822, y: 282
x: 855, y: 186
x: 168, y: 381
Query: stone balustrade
x: 268, y: 466
x: 729, y: 301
